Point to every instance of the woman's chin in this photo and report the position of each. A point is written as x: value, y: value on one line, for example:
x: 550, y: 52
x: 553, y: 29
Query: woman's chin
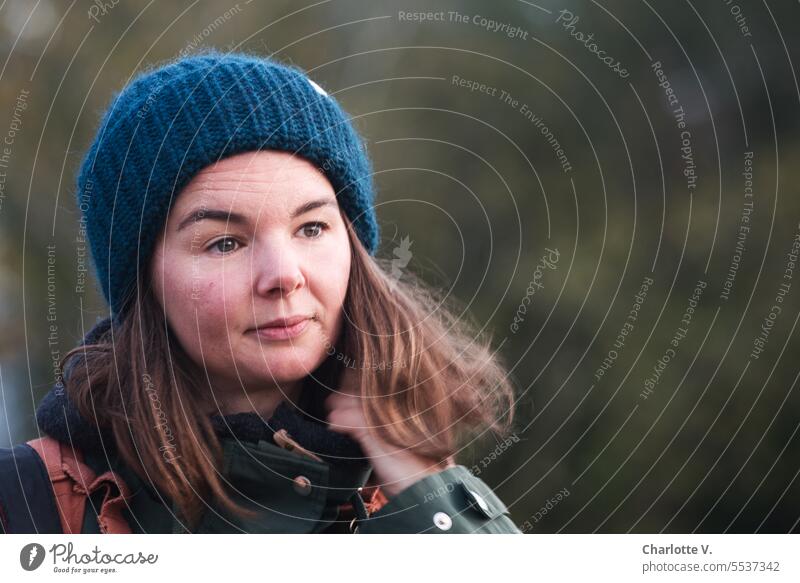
x: 288, y: 367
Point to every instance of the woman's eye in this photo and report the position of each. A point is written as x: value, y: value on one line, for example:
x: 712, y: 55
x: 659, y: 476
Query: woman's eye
x: 314, y: 230
x: 225, y: 245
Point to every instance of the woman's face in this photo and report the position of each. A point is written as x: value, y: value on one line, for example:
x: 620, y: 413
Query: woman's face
x: 252, y: 239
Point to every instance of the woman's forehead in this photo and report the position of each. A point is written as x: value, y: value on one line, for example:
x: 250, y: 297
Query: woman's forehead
x: 256, y: 178
x: 272, y: 165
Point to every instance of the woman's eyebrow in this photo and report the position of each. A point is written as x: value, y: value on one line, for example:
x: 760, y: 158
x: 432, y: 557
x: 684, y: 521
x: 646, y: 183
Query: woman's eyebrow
x: 313, y: 204
x: 203, y: 214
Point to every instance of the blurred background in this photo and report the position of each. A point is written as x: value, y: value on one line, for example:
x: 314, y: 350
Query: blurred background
x: 609, y: 189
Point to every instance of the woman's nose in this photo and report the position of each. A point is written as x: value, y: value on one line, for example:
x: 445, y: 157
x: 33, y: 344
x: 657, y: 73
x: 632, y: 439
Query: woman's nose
x: 277, y: 271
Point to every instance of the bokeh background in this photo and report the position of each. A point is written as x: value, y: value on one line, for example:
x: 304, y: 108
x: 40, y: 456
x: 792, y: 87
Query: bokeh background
x: 533, y: 180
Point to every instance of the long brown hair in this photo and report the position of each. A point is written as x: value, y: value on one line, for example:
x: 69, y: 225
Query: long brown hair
x: 428, y: 381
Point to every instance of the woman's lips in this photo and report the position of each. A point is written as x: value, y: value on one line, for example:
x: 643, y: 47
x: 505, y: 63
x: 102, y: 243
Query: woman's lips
x: 282, y: 332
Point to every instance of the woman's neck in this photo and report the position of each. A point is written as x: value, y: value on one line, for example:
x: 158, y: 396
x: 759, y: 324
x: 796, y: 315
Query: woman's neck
x: 262, y: 401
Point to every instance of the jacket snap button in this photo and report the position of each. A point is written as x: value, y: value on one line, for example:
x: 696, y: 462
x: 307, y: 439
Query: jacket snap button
x: 442, y: 521
x: 302, y: 485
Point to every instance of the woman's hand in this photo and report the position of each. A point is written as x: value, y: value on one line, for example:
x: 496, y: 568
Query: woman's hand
x: 394, y: 468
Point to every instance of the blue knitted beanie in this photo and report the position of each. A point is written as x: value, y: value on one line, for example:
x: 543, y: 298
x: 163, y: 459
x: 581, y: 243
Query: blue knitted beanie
x: 172, y: 121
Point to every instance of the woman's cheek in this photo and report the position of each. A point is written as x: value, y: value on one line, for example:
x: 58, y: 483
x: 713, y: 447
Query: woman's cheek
x: 332, y: 271
x: 330, y: 284
x: 207, y: 300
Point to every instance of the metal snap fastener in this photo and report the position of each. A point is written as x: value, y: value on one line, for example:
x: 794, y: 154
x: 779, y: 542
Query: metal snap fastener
x: 302, y: 485
x: 480, y: 501
x: 442, y: 521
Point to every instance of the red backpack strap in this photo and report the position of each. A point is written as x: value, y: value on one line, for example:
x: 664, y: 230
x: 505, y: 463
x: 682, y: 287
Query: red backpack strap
x: 373, y: 498
x: 73, y: 481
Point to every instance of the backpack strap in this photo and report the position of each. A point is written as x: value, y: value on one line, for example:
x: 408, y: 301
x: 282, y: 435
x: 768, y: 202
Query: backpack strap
x: 364, y: 503
x: 73, y: 481
x: 27, y: 504
x: 373, y: 496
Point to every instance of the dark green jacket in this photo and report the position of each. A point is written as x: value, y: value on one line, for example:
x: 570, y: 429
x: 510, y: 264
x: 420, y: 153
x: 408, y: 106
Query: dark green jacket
x: 293, y: 470
x: 270, y: 479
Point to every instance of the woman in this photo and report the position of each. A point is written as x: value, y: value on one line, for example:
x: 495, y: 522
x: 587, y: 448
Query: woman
x: 260, y: 370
